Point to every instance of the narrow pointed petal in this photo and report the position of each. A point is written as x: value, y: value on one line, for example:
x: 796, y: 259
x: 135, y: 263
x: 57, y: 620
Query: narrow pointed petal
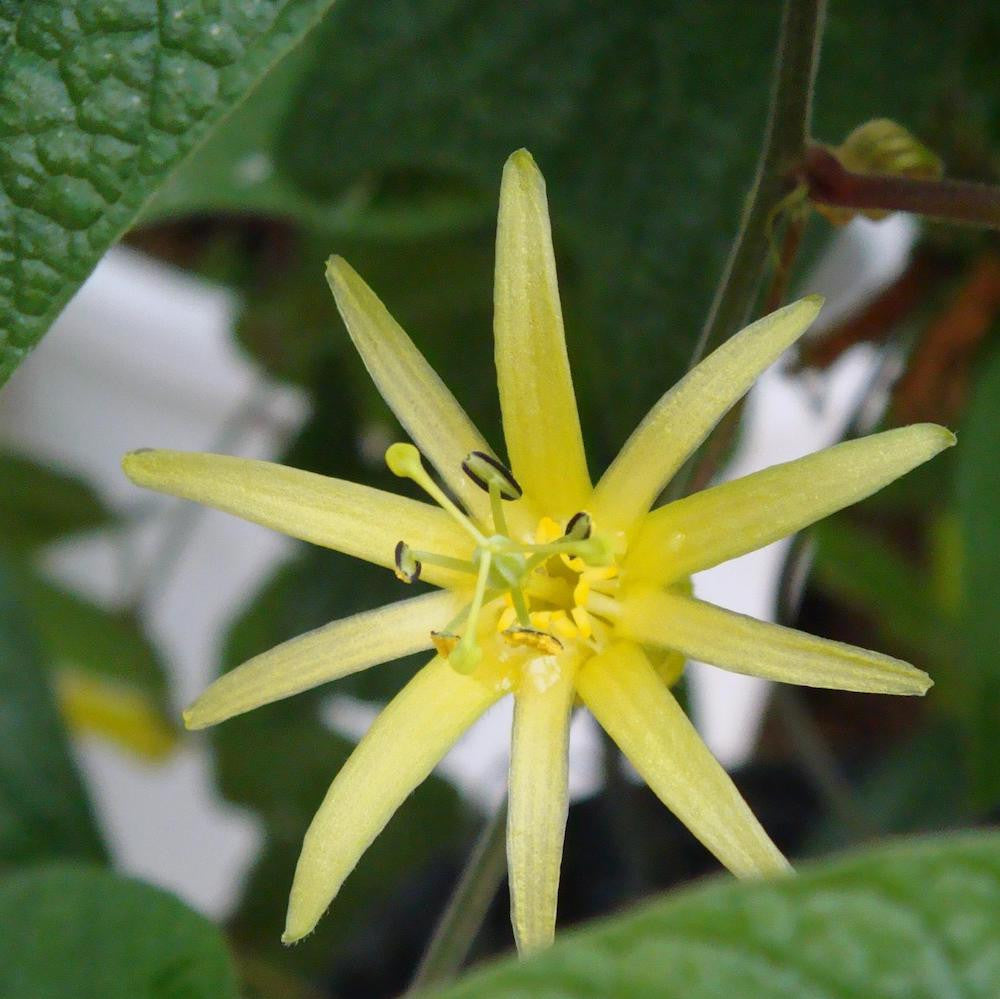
x: 540, y: 420
x: 412, y: 389
x: 357, y: 520
x: 737, y: 517
x: 328, y: 653
x: 744, y: 645
x: 677, y: 425
x: 398, y: 752
x: 640, y: 714
x: 539, y: 799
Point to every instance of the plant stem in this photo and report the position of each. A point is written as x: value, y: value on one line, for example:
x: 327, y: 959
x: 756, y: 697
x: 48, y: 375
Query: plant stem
x: 786, y: 138
x: 785, y: 141
x: 829, y: 183
x: 456, y: 931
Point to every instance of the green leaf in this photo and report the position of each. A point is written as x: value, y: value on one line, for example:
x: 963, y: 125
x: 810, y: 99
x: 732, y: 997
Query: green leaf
x: 44, y: 810
x: 39, y: 504
x: 919, y: 920
x: 98, y: 102
x: 978, y: 507
x: 75, y: 931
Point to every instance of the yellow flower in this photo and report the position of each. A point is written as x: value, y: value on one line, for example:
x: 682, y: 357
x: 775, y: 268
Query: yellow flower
x: 551, y: 589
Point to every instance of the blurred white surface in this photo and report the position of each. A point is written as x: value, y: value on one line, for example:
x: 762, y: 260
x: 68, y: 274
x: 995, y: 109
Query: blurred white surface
x: 143, y: 356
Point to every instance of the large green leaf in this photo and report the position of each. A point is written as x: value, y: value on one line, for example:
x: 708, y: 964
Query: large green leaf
x: 75, y: 932
x: 43, y: 809
x: 978, y: 494
x: 919, y: 920
x: 98, y: 102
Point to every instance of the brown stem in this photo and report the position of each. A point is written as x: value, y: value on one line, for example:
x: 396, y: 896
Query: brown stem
x: 830, y: 183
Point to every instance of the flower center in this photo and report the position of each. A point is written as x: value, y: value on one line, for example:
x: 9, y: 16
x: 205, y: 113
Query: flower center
x: 548, y: 588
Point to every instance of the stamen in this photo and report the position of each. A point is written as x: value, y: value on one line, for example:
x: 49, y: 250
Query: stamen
x: 531, y: 637
x: 606, y: 606
x: 404, y: 460
x: 407, y: 566
x: 445, y: 561
x: 486, y: 471
x: 466, y: 655
x: 579, y: 526
x: 583, y: 622
x: 507, y: 617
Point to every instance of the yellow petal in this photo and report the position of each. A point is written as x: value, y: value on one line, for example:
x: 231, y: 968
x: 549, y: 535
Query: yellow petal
x: 410, y: 386
x: 737, y: 517
x: 539, y: 797
x: 398, y: 752
x: 744, y: 645
x: 357, y: 520
x: 335, y: 650
x: 625, y: 695
x: 540, y: 420
x: 682, y: 419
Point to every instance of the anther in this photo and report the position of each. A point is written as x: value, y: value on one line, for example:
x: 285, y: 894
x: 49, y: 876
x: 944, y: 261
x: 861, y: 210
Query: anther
x: 579, y: 526
x: 535, y: 639
x: 407, y: 566
x: 486, y: 471
x: 445, y: 642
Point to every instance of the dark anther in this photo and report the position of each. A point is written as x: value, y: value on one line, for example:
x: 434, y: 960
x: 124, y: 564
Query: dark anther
x: 407, y: 567
x: 484, y: 469
x: 579, y: 526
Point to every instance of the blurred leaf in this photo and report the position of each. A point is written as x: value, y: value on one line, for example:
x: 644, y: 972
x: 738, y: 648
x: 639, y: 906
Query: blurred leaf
x: 80, y: 932
x: 918, y: 919
x: 43, y: 808
x: 978, y: 507
x: 109, y: 679
x: 280, y: 759
x: 860, y: 568
x: 235, y: 171
x: 99, y: 102
x: 918, y: 787
x: 39, y: 504
x: 628, y: 145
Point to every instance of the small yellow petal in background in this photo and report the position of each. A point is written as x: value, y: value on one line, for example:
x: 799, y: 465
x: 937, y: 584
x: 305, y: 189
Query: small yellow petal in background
x: 412, y: 389
x: 398, y: 752
x: 357, y: 520
x: 335, y: 650
x: 736, y: 517
x: 539, y: 797
x: 676, y: 426
x: 640, y: 714
x: 113, y: 710
x: 540, y: 420
x: 744, y: 645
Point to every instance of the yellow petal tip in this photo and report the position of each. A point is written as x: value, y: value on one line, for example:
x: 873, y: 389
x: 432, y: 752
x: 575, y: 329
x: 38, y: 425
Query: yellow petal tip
x: 135, y: 464
x: 815, y: 300
x: 296, y: 929
x: 522, y: 160
x: 193, y: 718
